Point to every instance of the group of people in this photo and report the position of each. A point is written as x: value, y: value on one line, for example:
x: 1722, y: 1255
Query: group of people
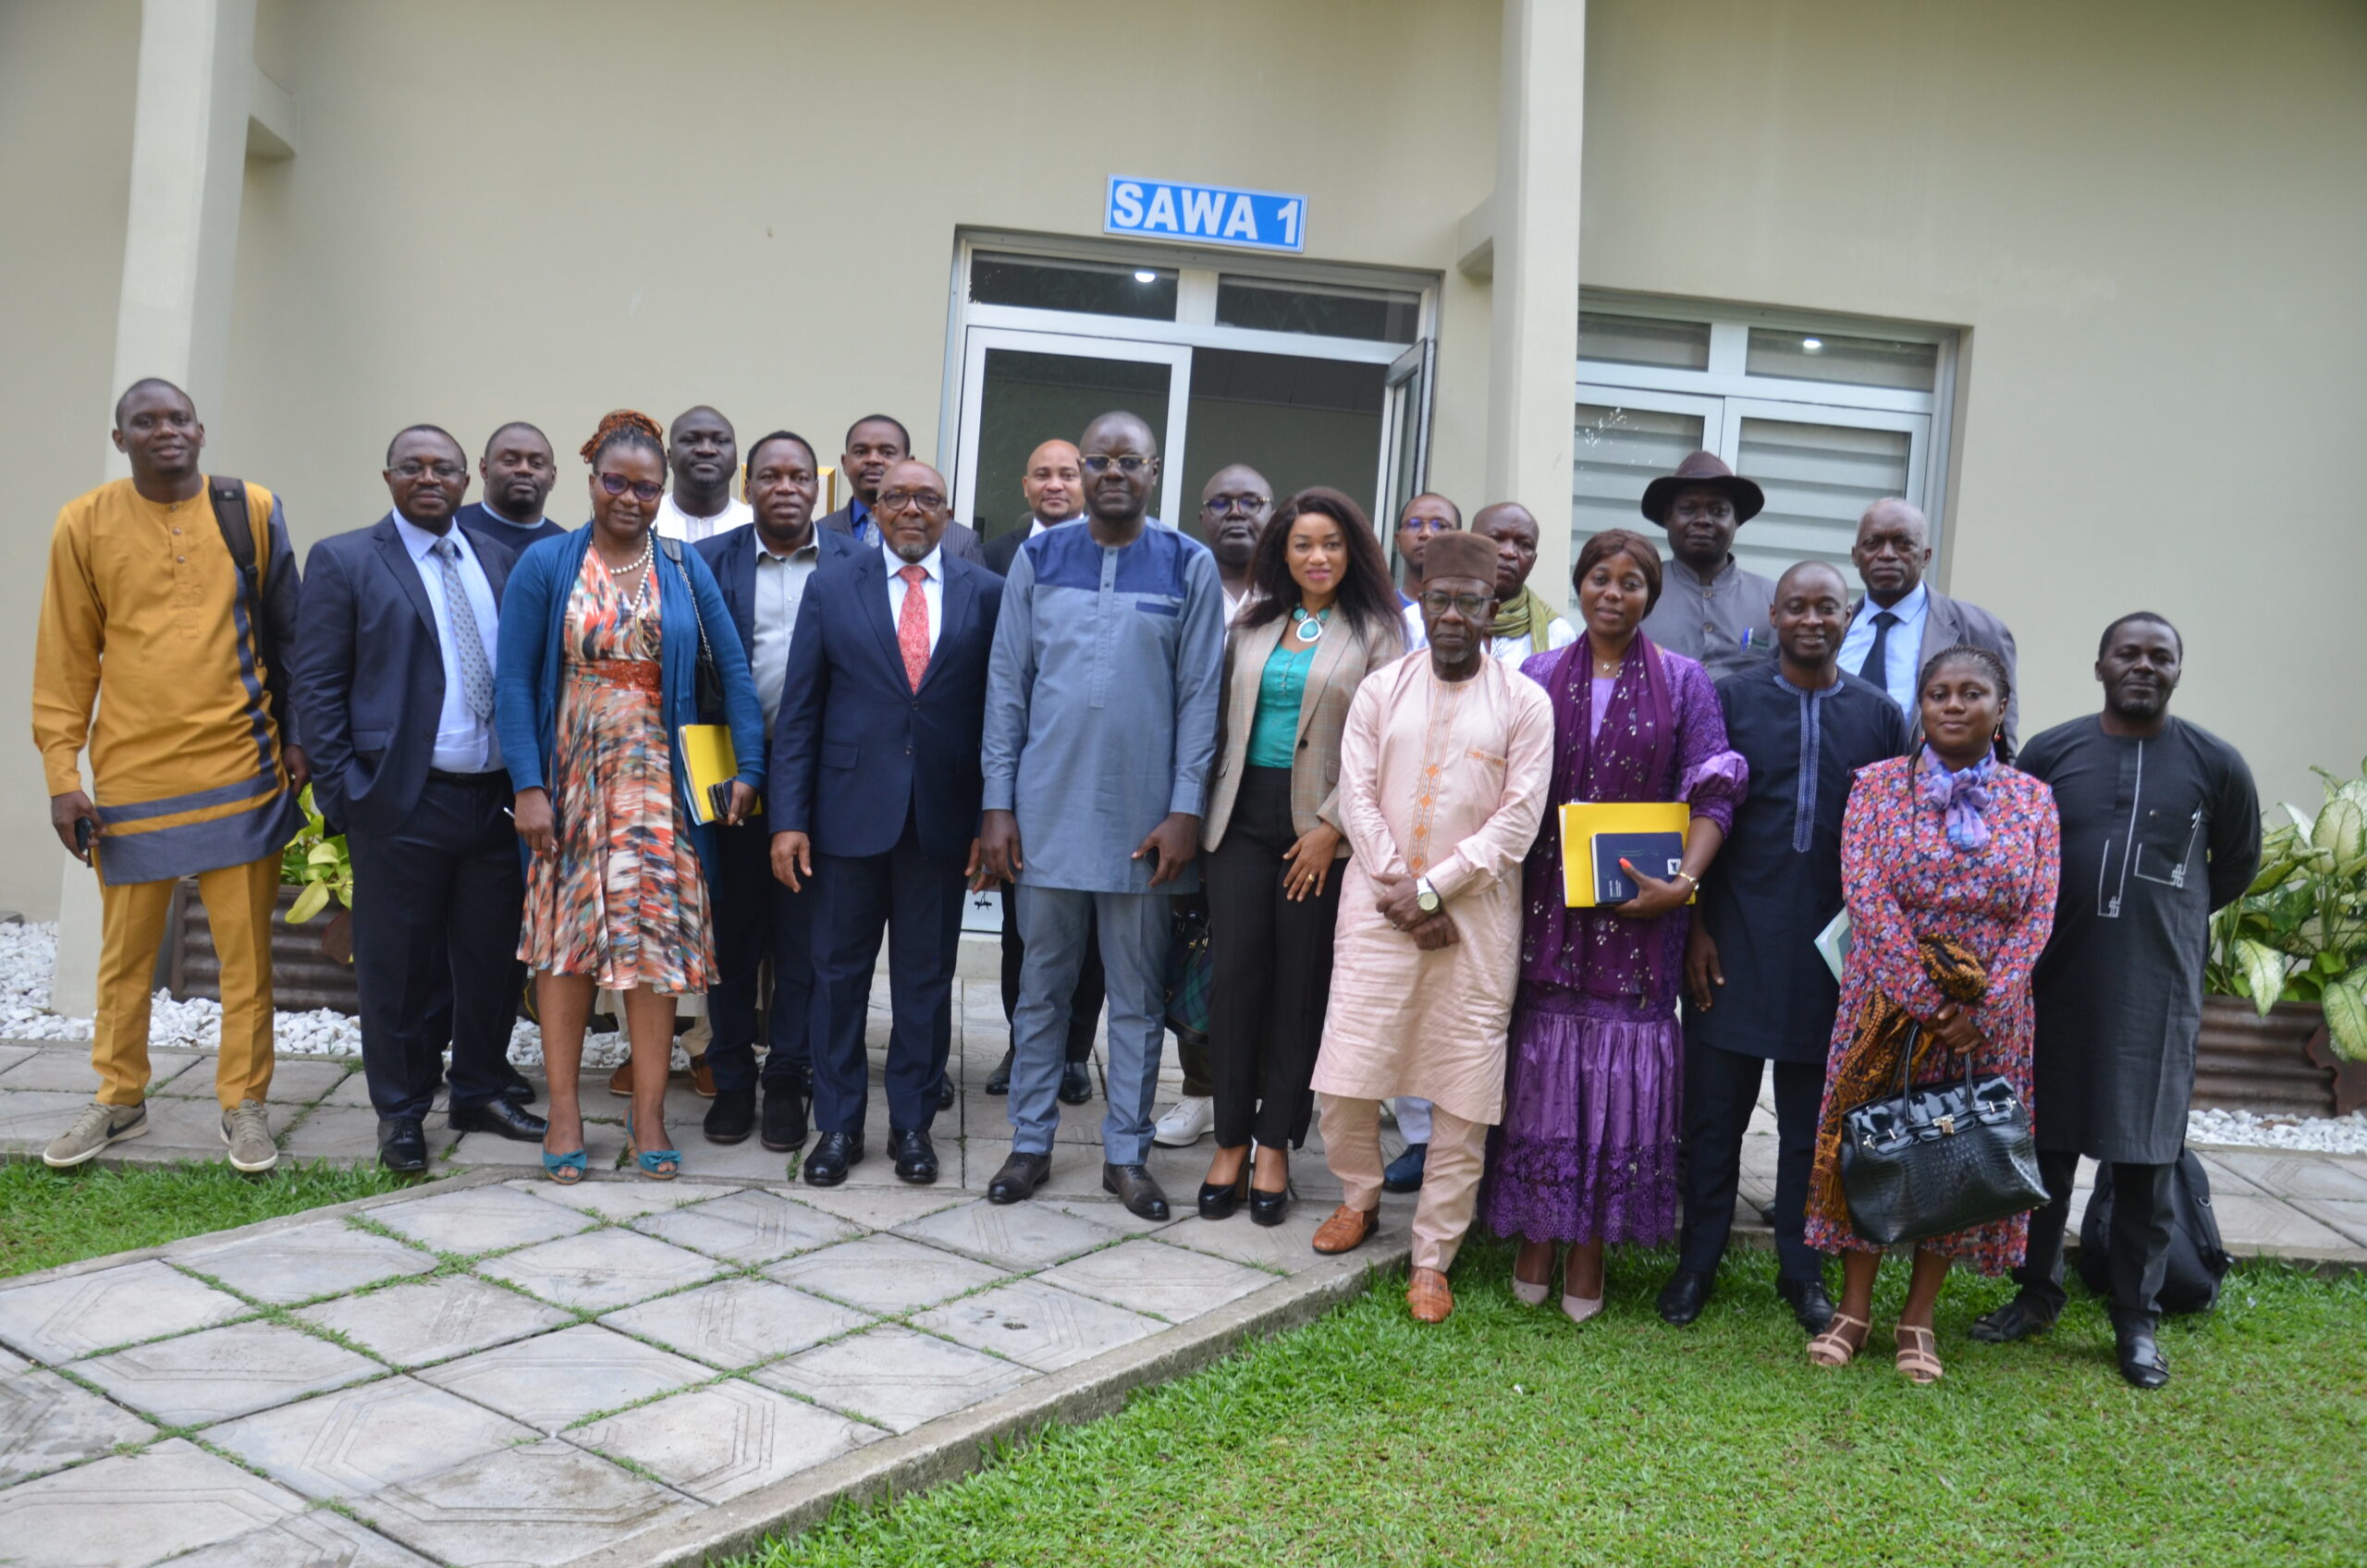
x: 1100, y: 714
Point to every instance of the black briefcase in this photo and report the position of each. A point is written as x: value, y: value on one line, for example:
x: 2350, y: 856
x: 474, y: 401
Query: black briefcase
x: 1939, y: 1158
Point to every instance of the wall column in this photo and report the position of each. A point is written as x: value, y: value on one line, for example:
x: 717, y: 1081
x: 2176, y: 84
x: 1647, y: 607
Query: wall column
x: 1540, y: 118
x: 180, y: 245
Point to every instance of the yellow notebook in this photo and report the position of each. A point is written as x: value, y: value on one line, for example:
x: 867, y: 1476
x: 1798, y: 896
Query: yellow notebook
x: 1581, y: 820
x: 712, y: 765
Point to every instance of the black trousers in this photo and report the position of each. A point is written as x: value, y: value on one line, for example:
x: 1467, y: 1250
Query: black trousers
x: 1273, y: 971
x: 757, y: 917
x: 2137, y: 1250
x: 917, y: 898
x: 1721, y: 1091
x: 436, y: 907
x: 1085, y: 1008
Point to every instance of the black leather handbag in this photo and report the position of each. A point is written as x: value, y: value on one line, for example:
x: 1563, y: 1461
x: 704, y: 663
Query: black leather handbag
x: 1938, y: 1158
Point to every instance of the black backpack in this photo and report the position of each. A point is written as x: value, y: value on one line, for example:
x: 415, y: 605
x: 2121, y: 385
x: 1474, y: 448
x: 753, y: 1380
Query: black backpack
x: 229, y: 499
x: 2196, y: 1261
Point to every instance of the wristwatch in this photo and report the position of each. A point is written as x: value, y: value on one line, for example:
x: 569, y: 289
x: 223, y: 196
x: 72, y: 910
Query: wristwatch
x: 1426, y: 898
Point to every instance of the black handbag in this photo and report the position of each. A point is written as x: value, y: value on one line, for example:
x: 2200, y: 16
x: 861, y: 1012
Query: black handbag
x: 1939, y: 1158
x: 708, y: 681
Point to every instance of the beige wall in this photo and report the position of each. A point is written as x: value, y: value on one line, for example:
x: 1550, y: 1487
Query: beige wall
x: 2152, y: 219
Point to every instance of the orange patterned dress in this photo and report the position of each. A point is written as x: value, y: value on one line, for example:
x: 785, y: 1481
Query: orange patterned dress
x: 622, y: 900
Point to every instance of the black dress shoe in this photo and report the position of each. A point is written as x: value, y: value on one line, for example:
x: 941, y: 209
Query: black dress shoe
x: 784, y: 1122
x: 403, y: 1146
x: 1682, y: 1299
x: 1077, y: 1083
x: 2017, y: 1319
x: 945, y: 1090
x: 517, y: 1088
x: 833, y: 1154
x: 1219, y: 1202
x: 2141, y: 1356
x: 732, y: 1118
x: 1018, y: 1178
x: 1811, y: 1307
x: 498, y: 1117
x: 1268, y: 1208
x: 1136, y: 1188
x: 998, y: 1081
x: 915, y: 1157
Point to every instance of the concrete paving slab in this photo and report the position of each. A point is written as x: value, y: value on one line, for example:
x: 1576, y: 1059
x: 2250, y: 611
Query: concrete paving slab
x: 722, y: 1441
x: 887, y: 1274
x: 354, y: 1091
x: 193, y: 1128
x: 429, y: 1320
x: 478, y: 1220
x: 70, y: 1073
x: 358, y: 1441
x: 46, y: 1424
x: 318, y: 1539
x: 217, y: 1374
x: 1036, y: 1325
x: 1019, y: 1235
x: 61, y: 1319
x: 601, y: 1271
x: 741, y: 1162
x: 748, y: 1228
x: 1147, y: 1276
x: 736, y: 1323
x: 553, y: 1379
x: 137, y: 1508
x: 2293, y: 1175
x: 2348, y: 1215
x: 30, y: 1119
x: 541, y: 1504
x: 895, y: 1376
x: 624, y: 1199
x: 338, y: 1132
x: 1116, y: 1216
x: 2252, y: 1227
x: 884, y: 1208
x: 11, y: 1055
x: 328, y: 1259
x: 295, y: 1080
x: 486, y: 1151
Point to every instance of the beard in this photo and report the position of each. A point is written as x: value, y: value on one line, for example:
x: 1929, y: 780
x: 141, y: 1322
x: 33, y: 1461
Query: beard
x: 911, y: 551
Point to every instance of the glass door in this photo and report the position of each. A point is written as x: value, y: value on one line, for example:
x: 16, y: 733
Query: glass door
x: 1405, y: 434
x: 1020, y: 389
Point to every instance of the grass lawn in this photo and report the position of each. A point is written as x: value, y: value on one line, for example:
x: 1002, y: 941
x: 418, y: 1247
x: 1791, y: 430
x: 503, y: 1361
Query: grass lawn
x: 1506, y: 1435
x: 52, y: 1216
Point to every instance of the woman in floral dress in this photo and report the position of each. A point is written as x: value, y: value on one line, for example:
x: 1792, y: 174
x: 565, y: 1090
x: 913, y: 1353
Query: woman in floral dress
x: 1948, y: 858
x: 600, y: 639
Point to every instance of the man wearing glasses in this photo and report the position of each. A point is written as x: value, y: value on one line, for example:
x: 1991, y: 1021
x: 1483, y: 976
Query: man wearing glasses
x: 1425, y: 517
x: 1100, y: 728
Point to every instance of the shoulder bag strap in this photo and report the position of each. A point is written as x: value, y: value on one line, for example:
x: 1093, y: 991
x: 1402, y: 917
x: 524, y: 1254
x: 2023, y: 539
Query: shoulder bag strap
x: 229, y: 499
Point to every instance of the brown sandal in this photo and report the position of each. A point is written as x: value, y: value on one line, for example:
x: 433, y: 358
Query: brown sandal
x: 1835, y: 1348
x: 1428, y: 1297
x: 1347, y: 1229
x: 1918, y: 1354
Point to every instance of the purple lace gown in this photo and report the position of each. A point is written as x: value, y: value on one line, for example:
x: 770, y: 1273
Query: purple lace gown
x: 1594, y: 1069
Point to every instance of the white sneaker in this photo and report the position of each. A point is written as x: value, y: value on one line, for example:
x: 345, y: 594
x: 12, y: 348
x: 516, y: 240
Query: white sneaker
x: 1186, y: 1123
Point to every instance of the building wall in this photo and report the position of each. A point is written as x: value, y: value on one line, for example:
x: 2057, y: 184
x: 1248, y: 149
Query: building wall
x: 2150, y: 218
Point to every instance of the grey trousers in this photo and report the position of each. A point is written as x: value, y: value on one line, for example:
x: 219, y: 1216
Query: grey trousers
x: 1135, y: 931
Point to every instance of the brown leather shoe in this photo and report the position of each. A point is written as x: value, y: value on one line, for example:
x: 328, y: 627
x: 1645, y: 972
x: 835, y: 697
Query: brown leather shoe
x: 1428, y: 1297
x: 702, y: 1077
x: 1347, y: 1229
x: 621, y: 1080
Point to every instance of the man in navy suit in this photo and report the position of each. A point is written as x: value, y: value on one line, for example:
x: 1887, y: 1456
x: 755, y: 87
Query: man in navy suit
x: 393, y: 670
x: 874, y: 794
x: 764, y: 570
x: 519, y: 471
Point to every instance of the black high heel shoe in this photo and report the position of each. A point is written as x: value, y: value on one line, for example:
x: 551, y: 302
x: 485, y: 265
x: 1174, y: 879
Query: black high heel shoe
x: 1268, y: 1208
x: 1218, y: 1201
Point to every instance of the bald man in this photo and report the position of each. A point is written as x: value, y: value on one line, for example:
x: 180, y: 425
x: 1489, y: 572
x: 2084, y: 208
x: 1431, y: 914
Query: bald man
x: 1054, y: 488
x: 1902, y: 620
x: 1234, y: 505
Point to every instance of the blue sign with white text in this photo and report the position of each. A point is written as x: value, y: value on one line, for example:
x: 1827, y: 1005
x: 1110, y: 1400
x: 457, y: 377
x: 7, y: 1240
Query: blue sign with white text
x: 1206, y: 215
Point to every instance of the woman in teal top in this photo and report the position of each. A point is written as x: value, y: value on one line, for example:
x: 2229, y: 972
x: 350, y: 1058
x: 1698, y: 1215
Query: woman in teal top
x: 1321, y: 613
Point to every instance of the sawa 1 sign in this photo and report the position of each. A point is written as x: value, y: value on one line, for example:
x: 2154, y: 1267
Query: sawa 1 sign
x: 1206, y: 215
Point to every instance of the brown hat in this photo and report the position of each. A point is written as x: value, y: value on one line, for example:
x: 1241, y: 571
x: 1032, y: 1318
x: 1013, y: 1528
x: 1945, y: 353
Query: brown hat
x: 1703, y: 469
x: 1459, y: 554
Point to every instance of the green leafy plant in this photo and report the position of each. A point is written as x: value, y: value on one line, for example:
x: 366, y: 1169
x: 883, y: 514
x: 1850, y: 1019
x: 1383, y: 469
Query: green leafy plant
x: 315, y: 861
x: 2299, y: 933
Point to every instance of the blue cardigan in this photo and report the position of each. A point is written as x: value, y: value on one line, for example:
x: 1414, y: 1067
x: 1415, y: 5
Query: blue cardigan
x: 527, y: 684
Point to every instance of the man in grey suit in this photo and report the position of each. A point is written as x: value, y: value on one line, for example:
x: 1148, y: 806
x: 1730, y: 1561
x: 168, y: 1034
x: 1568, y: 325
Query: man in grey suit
x: 1902, y: 621
x: 876, y: 443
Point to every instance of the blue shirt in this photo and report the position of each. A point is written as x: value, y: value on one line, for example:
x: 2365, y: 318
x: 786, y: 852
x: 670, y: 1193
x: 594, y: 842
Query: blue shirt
x: 1101, y: 701
x: 859, y: 521
x: 464, y: 744
x: 1905, y: 644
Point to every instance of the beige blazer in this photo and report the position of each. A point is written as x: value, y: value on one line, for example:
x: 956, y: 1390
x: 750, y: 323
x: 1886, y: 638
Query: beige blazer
x: 1341, y: 661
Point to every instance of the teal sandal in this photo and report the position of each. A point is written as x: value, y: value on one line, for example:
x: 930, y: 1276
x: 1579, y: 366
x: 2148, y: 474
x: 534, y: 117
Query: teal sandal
x: 565, y: 1168
x: 657, y: 1165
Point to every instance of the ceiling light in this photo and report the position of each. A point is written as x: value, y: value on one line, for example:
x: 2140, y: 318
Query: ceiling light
x: 1145, y: 275
x: 1811, y: 344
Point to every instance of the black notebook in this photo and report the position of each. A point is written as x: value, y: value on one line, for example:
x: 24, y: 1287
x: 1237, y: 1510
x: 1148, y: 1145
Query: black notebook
x: 1654, y: 854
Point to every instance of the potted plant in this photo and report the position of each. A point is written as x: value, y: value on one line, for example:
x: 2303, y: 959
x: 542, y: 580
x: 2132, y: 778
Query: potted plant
x: 2285, y: 1018
x: 312, y: 967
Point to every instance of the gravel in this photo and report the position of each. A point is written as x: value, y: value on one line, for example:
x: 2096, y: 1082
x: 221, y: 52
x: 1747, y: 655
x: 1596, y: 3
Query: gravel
x: 2318, y: 1134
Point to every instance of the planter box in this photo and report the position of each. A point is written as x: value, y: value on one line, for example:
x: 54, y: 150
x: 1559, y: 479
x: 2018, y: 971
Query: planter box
x: 309, y: 967
x: 2280, y: 1065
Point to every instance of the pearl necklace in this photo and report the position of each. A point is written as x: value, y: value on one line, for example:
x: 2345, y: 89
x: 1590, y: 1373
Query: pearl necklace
x: 639, y: 599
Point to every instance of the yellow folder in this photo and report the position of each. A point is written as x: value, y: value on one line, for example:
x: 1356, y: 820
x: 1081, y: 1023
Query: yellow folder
x: 1581, y: 820
x: 708, y: 760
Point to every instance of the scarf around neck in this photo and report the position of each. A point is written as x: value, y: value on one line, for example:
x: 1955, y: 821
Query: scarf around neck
x: 1962, y: 797
x: 1525, y: 614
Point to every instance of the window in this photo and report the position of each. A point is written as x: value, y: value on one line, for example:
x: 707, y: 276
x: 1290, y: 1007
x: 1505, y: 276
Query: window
x: 1827, y: 415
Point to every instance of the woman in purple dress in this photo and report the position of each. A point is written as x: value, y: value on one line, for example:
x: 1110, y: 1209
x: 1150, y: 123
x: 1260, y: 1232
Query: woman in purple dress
x: 1587, y: 1152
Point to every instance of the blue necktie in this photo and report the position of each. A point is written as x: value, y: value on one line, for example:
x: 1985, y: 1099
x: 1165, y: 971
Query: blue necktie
x: 1877, y: 665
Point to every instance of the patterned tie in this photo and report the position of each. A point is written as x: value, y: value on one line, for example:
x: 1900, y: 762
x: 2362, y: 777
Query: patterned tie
x: 1877, y: 665
x: 476, y: 676
x: 912, y: 626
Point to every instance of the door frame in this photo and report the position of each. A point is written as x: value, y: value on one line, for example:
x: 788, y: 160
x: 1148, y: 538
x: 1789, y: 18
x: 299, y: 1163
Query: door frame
x: 981, y: 340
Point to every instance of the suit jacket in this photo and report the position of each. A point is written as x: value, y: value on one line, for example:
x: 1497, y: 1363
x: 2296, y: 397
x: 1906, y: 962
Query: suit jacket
x: 960, y: 539
x: 1003, y: 549
x: 1946, y: 623
x: 731, y: 557
x: 367, y: 673
x: 1341, y: 661
x: 478, y: 519
x: 856, y: 751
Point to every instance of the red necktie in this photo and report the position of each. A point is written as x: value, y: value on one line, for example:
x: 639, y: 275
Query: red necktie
x: 912, y: 626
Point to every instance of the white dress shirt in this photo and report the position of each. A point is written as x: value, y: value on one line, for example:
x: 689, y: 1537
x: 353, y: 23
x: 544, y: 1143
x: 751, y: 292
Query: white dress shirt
x: 781, y: 590
x: 1905, y: 644
x: 932, y: 587
x: 673, y: 523
x: 464, y: 744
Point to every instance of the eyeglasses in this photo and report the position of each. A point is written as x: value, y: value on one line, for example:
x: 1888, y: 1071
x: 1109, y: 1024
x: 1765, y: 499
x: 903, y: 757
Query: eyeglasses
x: 1218, y: 506
x: 642, y: 489
x: 446, y: 472
x: 909, y: 500
x: 1128, y: 465
x: 1467, y: 606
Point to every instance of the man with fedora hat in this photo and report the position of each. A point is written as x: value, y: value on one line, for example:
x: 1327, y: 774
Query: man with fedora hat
x: 1711, y: 608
